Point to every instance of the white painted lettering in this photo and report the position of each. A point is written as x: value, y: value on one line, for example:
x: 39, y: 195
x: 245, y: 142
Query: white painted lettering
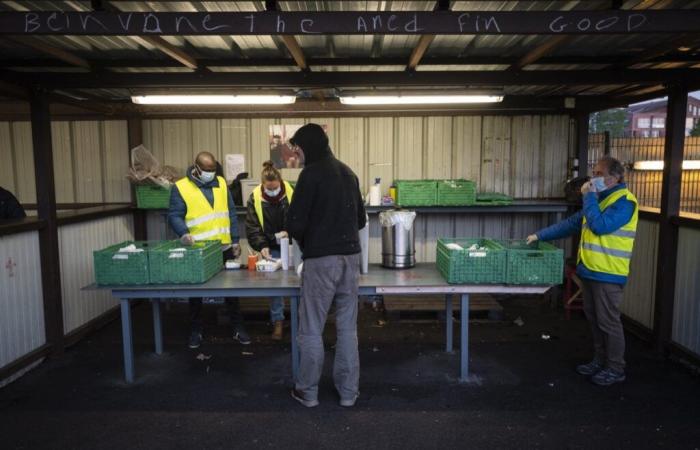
x: 252, y: 21
x: 461, y: 21
x: 31, y: 20
x: 49, y: 21
x: 85, y: 19
x: 606, y: 23
x: 635, y: 21
x: 389, y: 23
x: 178, y: 22
x: 412, y: 26
x: 488, y: 22
x: 376, y: 22
x: 205, y: 24
x: 281, y: 25
x: 556, y: 26
x: 125, y: 25
x: 584, y: 24
x: 154, y: 22
x: 361, y: 25
x: 310, y: 22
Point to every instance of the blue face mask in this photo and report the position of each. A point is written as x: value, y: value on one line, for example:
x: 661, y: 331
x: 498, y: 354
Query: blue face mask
x: 273, y: 193
x: 599, y: 184
x: 206, y: 177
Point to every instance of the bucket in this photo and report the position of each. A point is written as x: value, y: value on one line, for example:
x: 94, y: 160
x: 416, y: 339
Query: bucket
x: 398, y: 239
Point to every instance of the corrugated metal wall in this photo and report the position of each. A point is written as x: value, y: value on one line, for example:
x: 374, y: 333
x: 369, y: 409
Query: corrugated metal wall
x: 21, y: 298
x: 77, y: 242
x: 638, y: 303
x: 507, y: 154
x: 686, y: 310
x: 90, y: 161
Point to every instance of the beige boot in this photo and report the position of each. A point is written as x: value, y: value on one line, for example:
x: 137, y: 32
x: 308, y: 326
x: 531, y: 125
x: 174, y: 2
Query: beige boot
x: 277, y: 330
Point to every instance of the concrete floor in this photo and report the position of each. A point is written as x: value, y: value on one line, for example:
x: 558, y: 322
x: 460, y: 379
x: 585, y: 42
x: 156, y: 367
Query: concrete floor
x: 526, y: 394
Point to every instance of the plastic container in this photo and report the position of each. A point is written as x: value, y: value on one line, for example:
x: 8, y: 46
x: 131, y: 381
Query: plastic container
x: 152, y: 197
x: 456, y: 193
x: 416, y: 192
x: 493, y: 199
x: 114, y: 268
x: 539, y: 263
x: 174, y: 263
x: 465, y: 266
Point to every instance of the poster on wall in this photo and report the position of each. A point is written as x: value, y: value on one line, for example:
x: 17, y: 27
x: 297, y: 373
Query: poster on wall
x: 283, y: 154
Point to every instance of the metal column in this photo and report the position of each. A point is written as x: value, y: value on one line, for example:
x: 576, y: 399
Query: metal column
x: 157, y: 326
x: 464, y: 338
x: 127, y: 341
x: 449, y: 321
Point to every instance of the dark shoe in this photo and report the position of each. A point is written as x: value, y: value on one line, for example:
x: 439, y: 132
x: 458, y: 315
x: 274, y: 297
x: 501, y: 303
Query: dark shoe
x: 350, y: 402
x: 277, y: 330
x: 296, y: 395
x: 240, y: 335
x: 608, y: 376
x: 195, y: 339
x: 589, y: 369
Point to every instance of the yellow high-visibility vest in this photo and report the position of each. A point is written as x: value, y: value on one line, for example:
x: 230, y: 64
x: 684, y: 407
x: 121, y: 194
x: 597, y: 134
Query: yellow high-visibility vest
x: 257, y: 200
x: 610, y: 253
x: 206, y: 222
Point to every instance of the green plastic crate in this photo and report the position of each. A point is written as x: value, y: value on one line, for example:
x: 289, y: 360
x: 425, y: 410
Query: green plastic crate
x: 493, y: 199
x: 471, y: 267
x: 456, y: 193
x: 113, y: 268
x: 196, y: 263
x: 416, y: 192
x: 539, y: 263
x: 152, y: 197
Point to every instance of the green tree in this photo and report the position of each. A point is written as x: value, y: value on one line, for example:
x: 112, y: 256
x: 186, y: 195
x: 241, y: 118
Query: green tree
x: 695, y: 131
x: 612, y: 120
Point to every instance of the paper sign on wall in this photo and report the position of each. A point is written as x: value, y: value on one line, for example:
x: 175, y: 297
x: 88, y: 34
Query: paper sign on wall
x: 234, y: 164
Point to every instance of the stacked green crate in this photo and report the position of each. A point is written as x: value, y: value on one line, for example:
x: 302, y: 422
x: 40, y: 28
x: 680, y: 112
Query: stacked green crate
x: 485, y: 263
x: 152, y: 197
x: 456, y: 193
x: 115, y: 268
x: 539, y: 263
x: 493, y: 199
x: 416, y: 192
x: 174, y: 263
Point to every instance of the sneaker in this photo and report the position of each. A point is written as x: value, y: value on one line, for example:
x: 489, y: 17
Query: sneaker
x: 296, y: 395
x: 608, y: 376
x: 240, y: 335
x: 195, y: 339
x: 277, y: 330
x: 589, y: 369
x: 348, y: 403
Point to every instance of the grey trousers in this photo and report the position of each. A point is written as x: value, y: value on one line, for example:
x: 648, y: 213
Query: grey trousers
x: 326, y: 281
x: 601, y: 304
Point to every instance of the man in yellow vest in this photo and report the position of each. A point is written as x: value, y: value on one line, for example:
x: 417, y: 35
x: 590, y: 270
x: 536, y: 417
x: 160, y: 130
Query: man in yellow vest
x: 607, y: 224
x: 202, y: 209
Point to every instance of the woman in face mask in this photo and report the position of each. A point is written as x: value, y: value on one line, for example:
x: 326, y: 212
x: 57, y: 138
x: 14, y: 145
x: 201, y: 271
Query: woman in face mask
x: 265, y: 219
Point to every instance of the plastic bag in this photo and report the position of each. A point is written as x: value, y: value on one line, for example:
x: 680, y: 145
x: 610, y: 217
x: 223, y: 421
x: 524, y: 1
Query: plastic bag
x: 145, y: 169
x: 391, y: 218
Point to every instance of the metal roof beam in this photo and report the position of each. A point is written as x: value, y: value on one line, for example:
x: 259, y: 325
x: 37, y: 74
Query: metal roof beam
x: 459, y: 79
x: 55, y: 52
x: 175, y: 53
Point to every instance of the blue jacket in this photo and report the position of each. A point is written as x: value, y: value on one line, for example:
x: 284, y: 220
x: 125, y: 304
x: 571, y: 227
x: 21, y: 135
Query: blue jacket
x: 600, y: 222
x: 178, y: 207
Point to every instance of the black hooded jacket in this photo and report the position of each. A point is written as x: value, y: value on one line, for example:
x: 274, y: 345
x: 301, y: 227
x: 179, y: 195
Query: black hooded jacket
x: 327, y: 210
x: 10, y: 208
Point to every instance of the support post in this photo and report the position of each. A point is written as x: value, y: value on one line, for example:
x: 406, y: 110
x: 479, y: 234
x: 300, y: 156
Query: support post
x: 157, y: 326
x: 135, y: 136
x: 294, y: 320
x: 449, y: 321
x: 464, y: 338
x: 46, y: 209
x: 670, y: 207
x: 127, y: 341
x: 582, y: 143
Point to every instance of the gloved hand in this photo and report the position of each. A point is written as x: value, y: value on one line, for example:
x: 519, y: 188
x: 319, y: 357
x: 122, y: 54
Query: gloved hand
x: 266, y: 253
x: 532, y: 238
x: 187, y: 239
x: 280, y: 235
x: 586, y: 188
x: 236, y: 250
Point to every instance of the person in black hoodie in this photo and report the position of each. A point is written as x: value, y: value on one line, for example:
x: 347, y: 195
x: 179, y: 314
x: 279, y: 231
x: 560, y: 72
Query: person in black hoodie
x: 264, y: 223
x: 324, y: 217
x: 10, y: 208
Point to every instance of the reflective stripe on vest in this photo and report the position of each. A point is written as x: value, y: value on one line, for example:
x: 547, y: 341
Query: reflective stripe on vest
x: 204, y: 221
x: 258, y: 200
x: 610, y: 253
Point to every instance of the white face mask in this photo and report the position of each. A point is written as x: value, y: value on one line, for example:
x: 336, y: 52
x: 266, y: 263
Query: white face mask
x: 274, y: 193
x: 205, y: 176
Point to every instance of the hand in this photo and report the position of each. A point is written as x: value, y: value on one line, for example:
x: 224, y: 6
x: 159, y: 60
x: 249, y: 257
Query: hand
x: 187, y: 239
x: 300, y: 269
x: 266, y: 253
x: 281, y: 235
x: 586, y: 188
x: 236, y: 250
x: 532, y: 238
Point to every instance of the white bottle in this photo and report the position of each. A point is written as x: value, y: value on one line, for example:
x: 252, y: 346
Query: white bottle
x: 375, y: 193
x: 284, y: 252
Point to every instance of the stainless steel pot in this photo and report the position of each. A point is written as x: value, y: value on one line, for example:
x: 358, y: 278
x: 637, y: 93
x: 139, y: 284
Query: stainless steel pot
x: 398, y: 239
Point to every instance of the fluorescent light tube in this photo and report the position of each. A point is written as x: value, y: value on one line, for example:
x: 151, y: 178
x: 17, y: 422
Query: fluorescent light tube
x: 418, y: 99
x: 659, y: 165
x: 213, y: 99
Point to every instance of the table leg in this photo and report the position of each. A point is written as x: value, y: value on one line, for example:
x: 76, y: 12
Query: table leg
x: 464, y: 338
x: 448, y: 323
x: 294, y: 313
x: 157, y: 325
x: 127, y: 341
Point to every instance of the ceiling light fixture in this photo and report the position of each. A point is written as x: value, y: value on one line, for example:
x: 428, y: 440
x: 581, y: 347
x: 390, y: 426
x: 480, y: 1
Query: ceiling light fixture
x: 419, y: 99
x: 659, y: 165
x: 213, y: 99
